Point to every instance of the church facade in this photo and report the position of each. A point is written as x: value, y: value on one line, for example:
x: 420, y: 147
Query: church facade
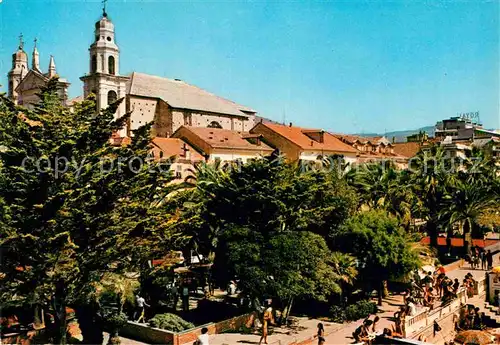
x: 167, y: 103
x: 25, y: 83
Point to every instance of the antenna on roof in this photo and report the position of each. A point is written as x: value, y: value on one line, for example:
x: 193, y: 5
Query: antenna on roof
x: 284, y: 116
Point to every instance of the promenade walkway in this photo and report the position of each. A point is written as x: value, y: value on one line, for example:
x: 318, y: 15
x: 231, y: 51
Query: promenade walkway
x: 336, y: 334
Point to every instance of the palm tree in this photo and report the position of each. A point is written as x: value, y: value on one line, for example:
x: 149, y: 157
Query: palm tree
x: 469, y: 200
x: 344, y: 266
x: 382, y: 186
x: 374, y: 182
x: 431, y: 176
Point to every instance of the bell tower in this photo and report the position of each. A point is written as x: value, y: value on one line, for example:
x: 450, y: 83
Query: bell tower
x: 18, y: 71
x: 103, y: 78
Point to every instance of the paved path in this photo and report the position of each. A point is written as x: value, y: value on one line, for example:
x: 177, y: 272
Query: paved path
x: 124, y: 341
x: 336, y: 334
x: 344, y: 335
x: 280, y: 336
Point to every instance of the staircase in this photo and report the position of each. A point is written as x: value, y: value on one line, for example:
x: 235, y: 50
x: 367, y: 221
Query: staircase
x: 491, y: 314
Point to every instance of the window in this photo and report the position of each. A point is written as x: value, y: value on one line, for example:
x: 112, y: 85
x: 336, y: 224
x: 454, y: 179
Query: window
x: 94, y: 64
x: 178, y: 172
x: 109, y: 39
x: 112, y: 97
x: 214, y: 124
x: 111, y: 65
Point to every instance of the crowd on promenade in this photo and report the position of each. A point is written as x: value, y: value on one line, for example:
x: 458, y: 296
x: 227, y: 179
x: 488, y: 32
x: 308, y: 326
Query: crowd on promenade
x: 479, y: 256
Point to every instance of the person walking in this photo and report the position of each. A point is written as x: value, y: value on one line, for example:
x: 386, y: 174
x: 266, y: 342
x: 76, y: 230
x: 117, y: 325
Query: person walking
x: 489, y: 259
x: 320, y: 334
x: 266, y: 319
x: 483, y: 260
x: 140, y: 304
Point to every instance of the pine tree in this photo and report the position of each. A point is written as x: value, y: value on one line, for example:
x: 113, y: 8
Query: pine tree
x: 74, y: 206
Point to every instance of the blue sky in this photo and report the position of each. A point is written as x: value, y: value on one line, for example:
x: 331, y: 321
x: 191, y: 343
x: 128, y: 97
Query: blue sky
x: 346, y: 66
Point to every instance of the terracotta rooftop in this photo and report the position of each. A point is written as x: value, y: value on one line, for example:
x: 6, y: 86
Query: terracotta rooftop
x: 407, y: 150
x: 225, y: 138
x: 77, y: 99
x: 170, y: 147
x: 298, y: 136
x: 179, y: 94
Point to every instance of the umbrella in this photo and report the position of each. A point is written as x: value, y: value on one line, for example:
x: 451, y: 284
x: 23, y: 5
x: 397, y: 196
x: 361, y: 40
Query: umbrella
x: 496, y: 269
x: 474, y: 338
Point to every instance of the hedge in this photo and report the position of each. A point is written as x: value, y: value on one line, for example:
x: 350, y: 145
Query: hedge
x: 359, y: 310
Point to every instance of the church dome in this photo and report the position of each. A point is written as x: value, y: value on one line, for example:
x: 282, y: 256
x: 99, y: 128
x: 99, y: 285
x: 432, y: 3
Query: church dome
x: 104, y: 23
x: 20, y: 56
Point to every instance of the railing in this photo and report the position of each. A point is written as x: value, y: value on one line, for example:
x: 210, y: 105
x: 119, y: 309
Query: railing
x: 427, y: 317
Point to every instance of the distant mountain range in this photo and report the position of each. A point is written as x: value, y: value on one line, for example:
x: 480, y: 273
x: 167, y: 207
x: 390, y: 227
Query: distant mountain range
x: 400, y: 136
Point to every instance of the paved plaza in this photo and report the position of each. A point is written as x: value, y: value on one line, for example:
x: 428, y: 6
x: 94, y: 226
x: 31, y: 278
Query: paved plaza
x: 336, y: 334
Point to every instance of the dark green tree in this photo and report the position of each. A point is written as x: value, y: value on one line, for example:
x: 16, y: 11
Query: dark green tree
x: 431, y: 173
x: 74, y: 207
x: 381, y: 245
x: 284, y: 266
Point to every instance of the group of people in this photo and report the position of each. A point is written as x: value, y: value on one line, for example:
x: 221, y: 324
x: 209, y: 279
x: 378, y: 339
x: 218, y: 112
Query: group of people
x: 470, y: 319
x: 435, y: 286
x: 367, y: 331
x: 478, y: 256
x: 181, y: 291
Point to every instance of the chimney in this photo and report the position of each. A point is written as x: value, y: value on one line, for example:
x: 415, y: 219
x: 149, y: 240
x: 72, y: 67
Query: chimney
x: 321, y: 137
x: 290, y: 124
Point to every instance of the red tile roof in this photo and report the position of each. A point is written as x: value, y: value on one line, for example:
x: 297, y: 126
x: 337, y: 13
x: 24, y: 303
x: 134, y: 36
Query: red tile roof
x: 407, y: 149
x: 225, y: 138
x: 297, y: 135
x: 170, y: 147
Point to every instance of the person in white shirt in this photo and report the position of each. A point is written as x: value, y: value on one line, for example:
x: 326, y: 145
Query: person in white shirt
x: 203, y: 337
x: 412, y: 308
x: 140, y: 304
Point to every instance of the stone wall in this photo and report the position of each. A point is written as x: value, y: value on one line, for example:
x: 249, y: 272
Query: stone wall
x: 150, y: 335
x: 144, y: 333
x: 163, y: 120
x: 142, y: 111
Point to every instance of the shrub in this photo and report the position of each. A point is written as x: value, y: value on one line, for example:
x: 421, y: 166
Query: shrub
x: 353, y: 312
x: 114, y: 320
x: 338, y: 314
x: 170, y: 322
